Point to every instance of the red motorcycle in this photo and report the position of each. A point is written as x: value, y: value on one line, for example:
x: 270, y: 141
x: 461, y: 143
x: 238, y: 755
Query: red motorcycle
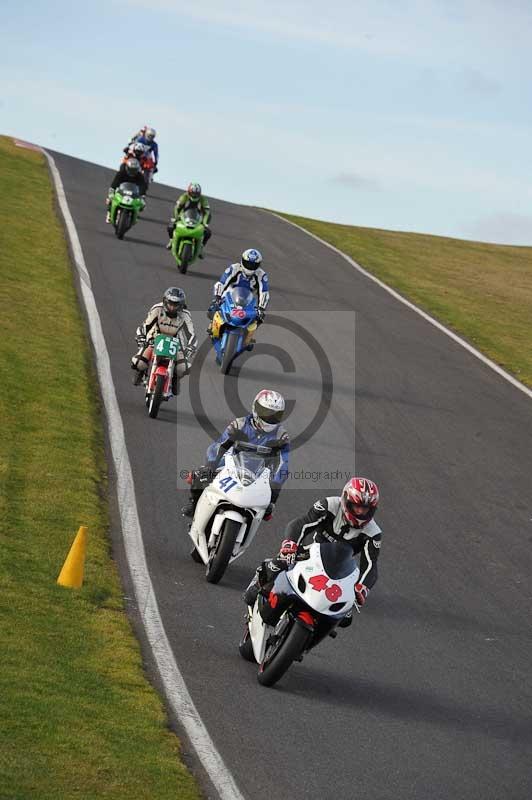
x: 162, y: 355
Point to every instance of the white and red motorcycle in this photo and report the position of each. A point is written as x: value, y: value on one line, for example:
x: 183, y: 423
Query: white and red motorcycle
x: 305, y: 605
x: 231, y: 508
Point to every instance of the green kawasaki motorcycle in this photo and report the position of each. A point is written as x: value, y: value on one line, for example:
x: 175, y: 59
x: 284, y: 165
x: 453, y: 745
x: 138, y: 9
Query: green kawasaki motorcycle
x: 187, y: 239
x: 126, y: 206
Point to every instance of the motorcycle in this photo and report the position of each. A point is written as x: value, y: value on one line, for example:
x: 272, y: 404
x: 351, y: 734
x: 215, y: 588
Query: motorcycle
x: 126, y: 206
x: 160, y: 372
x: 233, y: 326
x: 187, y: 239
x: 231, y: 508
x: 304, y: 606
x: 148, y: 168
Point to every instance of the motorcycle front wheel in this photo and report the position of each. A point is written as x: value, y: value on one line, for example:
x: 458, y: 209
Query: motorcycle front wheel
x: 156, y: 397
x: 123, y: 224
x: 281, y: 653
x: 185, y: 258
x: 230, y: 353
x: 245, y: 647
x: 223, y: 550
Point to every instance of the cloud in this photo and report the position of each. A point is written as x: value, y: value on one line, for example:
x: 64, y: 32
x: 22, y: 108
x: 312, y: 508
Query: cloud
x: 504, y: 227
x: 353, y: 180
x: 423, y: 31
x: 476, y: 82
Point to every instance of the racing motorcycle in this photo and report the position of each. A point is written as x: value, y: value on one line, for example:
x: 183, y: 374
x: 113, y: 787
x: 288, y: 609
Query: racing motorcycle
x: 187, y: 239
x: 304, y: 606
x: 160, y: 372
x: 233, y: 326
x: 231, y: 508
x: 126, y: 206
x: 148, y: 168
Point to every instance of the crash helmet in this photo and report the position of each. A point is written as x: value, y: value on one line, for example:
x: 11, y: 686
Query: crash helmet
x: 359, y: 501
x: 268, y: 409
x: 150, y: 134
x: 174, y: 300
x: 132, y: 166
x: 251, y: 260
x: 194, y: 191
x: 138, y: 150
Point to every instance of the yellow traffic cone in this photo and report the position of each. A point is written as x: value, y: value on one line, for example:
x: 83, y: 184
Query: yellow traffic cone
x: 72, y: 573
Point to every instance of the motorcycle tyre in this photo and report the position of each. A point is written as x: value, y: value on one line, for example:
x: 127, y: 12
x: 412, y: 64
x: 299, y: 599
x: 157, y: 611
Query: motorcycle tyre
x: 223, y: 551
x: 156, y: 397
x: 292, y: 647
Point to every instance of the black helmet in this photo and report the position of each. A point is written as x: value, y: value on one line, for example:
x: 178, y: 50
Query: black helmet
x: 174, y: 300
x: 132, y: 166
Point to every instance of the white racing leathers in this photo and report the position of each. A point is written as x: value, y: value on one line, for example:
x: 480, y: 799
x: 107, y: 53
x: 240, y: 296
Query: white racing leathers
x: 181, y: 326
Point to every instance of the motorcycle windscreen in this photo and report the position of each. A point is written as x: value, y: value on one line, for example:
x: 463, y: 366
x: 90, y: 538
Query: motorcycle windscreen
x: 129, y: 188
x: 191, y: 216
x: 249, y: 467
x: 338, y: 559
x: 242, y: 297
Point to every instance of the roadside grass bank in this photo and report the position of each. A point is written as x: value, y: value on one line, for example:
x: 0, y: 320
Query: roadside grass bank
x: 483, y: 292
x: 79, y: 719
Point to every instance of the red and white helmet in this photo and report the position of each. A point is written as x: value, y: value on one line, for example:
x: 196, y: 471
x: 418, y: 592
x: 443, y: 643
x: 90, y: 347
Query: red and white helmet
x: 359, y: 501
x: 268, y: 409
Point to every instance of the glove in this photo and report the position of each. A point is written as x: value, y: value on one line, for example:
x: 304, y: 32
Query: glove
x: 361, y: 593
x: 110, y: 193
x: 189, y: 352
x: 288, y: 552
x: 260, y: 316
x: 268, y: 514
x: 214, y: 306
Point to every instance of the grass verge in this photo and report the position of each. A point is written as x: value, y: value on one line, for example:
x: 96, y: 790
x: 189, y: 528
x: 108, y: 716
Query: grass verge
x: 483, y: 292
x: 79, y: 719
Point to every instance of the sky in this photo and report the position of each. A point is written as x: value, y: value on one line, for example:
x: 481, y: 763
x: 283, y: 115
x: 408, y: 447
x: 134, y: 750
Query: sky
x: 395, y: 114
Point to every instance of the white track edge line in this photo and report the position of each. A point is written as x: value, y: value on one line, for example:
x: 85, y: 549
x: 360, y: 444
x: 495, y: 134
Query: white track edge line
x: 174, y: 685
x: 495, y: 367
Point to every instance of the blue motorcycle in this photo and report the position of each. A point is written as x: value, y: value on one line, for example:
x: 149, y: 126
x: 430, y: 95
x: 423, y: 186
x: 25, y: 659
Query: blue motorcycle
x: 233, y: 326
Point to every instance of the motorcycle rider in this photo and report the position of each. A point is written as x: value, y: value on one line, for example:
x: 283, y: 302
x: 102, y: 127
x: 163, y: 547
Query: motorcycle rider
x: 349, y: 519
x: 129, y: 172
x: 134, y: 150
x: 171, y: 318
x: 192, y: 198
x: 262, y: 427
x: 146, y: 136
x: 249, y: 274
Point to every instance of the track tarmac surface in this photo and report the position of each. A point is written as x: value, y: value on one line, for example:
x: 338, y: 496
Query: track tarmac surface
x: 428, y: 694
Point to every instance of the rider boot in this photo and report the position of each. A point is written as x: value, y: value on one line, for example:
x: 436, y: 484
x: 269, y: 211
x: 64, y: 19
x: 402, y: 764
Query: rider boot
x: 200, y: 479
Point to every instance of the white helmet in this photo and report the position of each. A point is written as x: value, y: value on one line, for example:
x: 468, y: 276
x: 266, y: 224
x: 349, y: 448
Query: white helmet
x: 268, y: 409
x: 150, y: 134
x: 250, y: 261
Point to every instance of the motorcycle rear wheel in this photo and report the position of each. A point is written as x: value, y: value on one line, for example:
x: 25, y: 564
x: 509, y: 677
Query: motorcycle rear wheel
x: 156, y: 397
x: 223, y: 551
x: 294, y: 641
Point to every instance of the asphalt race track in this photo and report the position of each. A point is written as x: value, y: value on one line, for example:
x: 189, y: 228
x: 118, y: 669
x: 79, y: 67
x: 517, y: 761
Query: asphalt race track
x: 429, y: 693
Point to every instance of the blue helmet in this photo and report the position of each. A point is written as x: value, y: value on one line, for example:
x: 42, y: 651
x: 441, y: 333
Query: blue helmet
x: 251, y: 260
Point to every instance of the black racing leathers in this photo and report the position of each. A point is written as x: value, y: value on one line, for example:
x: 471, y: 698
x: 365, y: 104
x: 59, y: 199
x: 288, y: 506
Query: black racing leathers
x: 324, y: 522
x: 122, y: 176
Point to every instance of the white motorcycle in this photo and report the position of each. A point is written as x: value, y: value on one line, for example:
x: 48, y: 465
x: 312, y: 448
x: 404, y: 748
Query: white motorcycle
x: 304, y: 605
x: 231, y: 508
